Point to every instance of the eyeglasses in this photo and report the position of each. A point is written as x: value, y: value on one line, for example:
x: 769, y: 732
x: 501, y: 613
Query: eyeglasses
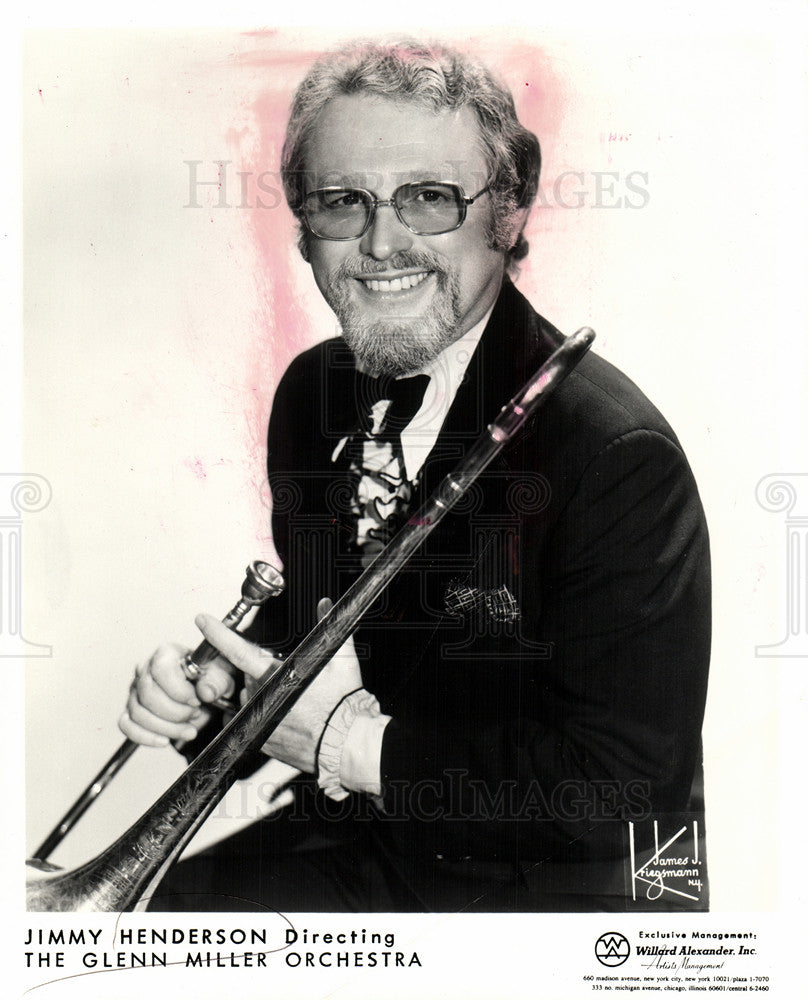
x: 426, y: 208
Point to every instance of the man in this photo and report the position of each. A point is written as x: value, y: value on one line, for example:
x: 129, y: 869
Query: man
x: 535, y: 678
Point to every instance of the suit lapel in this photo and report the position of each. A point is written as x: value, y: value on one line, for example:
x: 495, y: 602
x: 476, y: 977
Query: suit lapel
x: 514, y: 344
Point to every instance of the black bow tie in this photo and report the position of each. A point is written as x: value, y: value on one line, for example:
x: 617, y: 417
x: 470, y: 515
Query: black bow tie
x: 405, y: 395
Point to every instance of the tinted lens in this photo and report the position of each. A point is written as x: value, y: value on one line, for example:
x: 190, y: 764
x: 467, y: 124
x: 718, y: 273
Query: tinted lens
x: 336, y: 214
x: 430, y: 208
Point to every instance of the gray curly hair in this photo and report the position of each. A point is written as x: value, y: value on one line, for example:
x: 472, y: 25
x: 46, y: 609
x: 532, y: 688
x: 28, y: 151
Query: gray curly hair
x: 438, y: 78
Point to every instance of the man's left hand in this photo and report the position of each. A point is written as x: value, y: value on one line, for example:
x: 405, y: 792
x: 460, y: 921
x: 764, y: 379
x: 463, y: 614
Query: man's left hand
x: 296, y: 739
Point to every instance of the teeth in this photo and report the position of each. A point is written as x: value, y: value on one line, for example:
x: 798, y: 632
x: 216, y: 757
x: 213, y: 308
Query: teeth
x: 396, y: 284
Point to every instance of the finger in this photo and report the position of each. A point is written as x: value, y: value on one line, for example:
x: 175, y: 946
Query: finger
x: 249, y: 689
x: 152, y: 697
x: 217, y: 681
x: 249, y: 658
x: 324, y: 605
x: 131, y: 730
x: 199, y: 718
x: 166, y: 667
x: 152, y: 723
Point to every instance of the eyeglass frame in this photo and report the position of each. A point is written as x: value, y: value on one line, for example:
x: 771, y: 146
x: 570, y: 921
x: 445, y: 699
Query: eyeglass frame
x: 463, y: 204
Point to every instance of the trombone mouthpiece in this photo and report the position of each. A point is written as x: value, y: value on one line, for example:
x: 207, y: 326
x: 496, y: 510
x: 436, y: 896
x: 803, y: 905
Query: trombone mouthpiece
x: 261, y: 582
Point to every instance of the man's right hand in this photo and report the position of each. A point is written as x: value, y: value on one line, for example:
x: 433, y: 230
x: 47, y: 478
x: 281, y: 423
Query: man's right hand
x: 164, y: 705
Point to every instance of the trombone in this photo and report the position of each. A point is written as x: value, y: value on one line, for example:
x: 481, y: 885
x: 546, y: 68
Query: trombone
x: 126, y: 874
x: 261, y: 582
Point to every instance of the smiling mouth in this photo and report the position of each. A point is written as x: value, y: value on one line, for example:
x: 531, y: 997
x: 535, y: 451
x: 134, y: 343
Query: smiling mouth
x: 374, y: 283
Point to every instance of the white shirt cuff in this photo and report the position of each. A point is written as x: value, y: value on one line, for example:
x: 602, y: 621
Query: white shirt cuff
x: 351, y: 748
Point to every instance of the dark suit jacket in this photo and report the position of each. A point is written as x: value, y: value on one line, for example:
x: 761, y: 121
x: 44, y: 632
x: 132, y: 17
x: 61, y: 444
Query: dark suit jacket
x: 536, y: 738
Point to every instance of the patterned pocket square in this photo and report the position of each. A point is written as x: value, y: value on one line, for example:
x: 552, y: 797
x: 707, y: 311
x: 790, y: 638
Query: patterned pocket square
x: 497, y: 603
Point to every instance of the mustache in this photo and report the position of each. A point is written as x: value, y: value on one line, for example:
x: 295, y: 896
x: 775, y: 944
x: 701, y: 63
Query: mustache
x: 353, y: 267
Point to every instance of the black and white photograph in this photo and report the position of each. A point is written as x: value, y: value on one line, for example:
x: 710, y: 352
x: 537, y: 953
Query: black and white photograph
x: 404, y: 569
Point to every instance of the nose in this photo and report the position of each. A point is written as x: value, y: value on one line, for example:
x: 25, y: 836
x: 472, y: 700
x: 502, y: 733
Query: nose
x: 386, y: 236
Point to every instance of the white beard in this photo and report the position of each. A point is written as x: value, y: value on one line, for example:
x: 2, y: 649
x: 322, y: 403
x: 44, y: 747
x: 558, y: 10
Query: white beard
x: 401, y: 345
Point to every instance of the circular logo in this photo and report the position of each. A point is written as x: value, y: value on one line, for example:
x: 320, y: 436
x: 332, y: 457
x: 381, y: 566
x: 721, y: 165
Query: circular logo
x: 612, y: 949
